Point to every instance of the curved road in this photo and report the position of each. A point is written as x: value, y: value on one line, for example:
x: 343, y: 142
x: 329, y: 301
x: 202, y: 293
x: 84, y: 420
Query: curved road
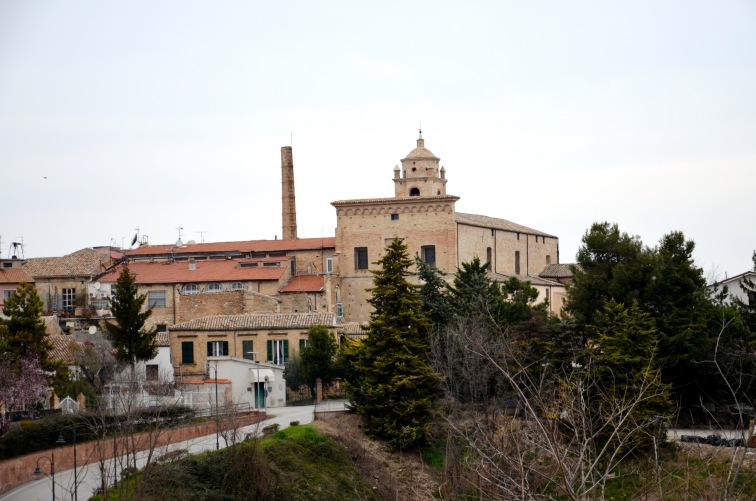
x: 89, y: 476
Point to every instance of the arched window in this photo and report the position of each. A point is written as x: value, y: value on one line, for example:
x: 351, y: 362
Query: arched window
x: 191, y: 289
x: 415, y: 192
x: 237, y: 286
x: 214, y: 287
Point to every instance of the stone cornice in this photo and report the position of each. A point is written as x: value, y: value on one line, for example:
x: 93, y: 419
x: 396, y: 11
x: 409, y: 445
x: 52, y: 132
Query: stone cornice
x: 395, y: 205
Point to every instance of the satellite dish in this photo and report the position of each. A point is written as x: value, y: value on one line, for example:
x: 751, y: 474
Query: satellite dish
x: 96, y: 285
x: 92, y: 329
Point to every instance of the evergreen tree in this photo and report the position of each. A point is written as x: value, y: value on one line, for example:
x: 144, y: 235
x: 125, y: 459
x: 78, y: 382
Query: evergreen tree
x: 475, y: 295
x: 23, y: 333
x: 393, y: 386
x: 132, y: 342
x: 626, y: 368
x: 434, y: 294
x: 316, y: 359
x: 747, y: 308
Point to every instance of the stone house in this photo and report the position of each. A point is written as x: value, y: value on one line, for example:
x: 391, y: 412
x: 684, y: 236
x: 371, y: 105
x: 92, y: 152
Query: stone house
x: 10, y: 279
x: 424, y: 216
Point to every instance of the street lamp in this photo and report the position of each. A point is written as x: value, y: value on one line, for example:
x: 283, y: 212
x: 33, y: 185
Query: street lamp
x: 62, y: 441
x: 257, y: 384
x: 217, y: 443
x: 38, y: 471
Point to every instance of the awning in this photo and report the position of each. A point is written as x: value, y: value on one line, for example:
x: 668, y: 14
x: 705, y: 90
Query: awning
x: 264, y: 373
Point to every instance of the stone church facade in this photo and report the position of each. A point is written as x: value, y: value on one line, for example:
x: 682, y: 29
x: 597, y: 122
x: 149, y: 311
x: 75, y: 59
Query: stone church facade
x: 424, y: 216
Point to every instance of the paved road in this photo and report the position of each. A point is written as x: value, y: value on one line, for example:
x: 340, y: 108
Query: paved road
x: 89, y: 476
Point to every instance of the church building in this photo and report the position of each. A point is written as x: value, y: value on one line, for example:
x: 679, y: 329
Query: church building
x: 424, y: 216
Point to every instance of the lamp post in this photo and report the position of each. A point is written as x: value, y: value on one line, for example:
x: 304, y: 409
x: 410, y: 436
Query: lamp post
x: 257, y: 384
x: 38, y: 471
x: 62, y: 441
x: 217, y: 443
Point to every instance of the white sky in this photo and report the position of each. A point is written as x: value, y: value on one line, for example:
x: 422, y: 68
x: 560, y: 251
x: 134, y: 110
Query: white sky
x: 555, y: 115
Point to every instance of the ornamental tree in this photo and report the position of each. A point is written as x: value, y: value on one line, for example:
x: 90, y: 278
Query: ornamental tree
x: 316, y: 359
x: 132, y: 342
x: 392, y: 385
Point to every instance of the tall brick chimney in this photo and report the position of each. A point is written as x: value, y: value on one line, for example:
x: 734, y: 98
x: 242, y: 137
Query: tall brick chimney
x: 288, y: 200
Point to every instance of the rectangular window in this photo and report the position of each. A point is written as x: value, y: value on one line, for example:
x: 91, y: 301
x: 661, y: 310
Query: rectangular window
x: 187, y: 352
x: 303, y: 343
x: 360, y: 258
x: 161, y: 327
x: 156, y: 299
x: 517, y: 262
x: 752, y: 299
x: 339, y: 310
x: 7, y: 265
x: 488, y: 255
x: 548, y: 259
x: 152, y: 372
x: 248, y: 350
x: 69, y: 294
x: 428, y: 254
x: 217, y: 348
x: 7, y: 294
x: 329, y: 265
x: 278, y: 351
x: 395, y: 217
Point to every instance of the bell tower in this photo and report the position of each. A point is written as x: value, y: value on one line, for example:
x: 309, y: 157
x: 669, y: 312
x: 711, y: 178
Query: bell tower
x: 420, y: 175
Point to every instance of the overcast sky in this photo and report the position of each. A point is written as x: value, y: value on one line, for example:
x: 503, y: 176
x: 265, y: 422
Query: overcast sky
x: 554, y: 115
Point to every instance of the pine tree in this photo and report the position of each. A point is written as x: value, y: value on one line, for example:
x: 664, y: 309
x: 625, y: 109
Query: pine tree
x: 434, y: 294
x: 25, y: 333
x: 132, y: 342
x: 393, y: 386
x: 316, y: 359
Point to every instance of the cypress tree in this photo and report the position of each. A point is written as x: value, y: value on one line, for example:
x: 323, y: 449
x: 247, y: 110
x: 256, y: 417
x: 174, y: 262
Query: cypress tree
x: 393, y: 386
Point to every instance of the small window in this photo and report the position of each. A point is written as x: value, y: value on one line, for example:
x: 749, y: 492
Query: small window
x: 7, y: 265
x: 151, y: 372
x: 258, y: 254
x: 339, y: 310
x: 187, y: 352
x: 217, y: 348
x: 162, y: 327
x: 248, y: 350
x: 237, y: 286
x: 156, y: 299
x: 214, y: 287
x: 517, y: 262
x: 248, y: 265
x: 191, y: 289
x: 360, y: 258
x: 329, y: 265
x: 548, y: 259
x: 272, y: 265
x: 751, y: 299
x: 395, y: 217
x: 489, y: 255
x: 303, y: 343
x: 415, y: 192
x: 428, y: 254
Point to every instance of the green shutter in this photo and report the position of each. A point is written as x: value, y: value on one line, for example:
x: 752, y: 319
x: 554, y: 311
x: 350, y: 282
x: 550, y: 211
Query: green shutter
x: 302, y: 344
x: 286, y: 350
x: 225, y: 348
x: 187, y: 352
x: 270, y: 351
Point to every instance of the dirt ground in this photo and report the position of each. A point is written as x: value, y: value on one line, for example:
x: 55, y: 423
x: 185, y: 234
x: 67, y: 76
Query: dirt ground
x: 394, y: 475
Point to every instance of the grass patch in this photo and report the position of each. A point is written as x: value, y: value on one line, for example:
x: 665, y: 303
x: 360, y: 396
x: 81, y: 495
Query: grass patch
x: 294, y: 464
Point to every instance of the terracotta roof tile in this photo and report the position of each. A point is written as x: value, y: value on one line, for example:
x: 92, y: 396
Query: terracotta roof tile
x: 14, y: 276
x: 256, y: 321
x: 246, y: 246
x: 163, y: 339
x: 557, y: 271
x: 305, y: 283
x: 496, y: 223
x: 534, y: 280
x: 352, y: 330
x: 85, y: 262
x: 63, y: 349
x: 209, y: 270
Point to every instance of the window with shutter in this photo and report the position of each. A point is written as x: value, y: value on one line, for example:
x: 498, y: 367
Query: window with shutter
x: 248, y: 350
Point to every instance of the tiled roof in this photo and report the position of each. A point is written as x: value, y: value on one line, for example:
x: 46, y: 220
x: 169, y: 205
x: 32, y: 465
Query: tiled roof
x: 246, y: 246
x: 352, y: 330
x: 496, y: 223
x: 557, y: 271
x: 52, y: 326
x: 305, y: 283
x: 62, y: 349
x: 258, y: 321
x: 503, y: 277
x: 82, y: 263
x: 209, y: 270
x: 163, y: 339
x: 14, y: 276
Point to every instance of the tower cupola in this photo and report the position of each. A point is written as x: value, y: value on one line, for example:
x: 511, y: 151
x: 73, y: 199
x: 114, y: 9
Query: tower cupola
x: 420, y: 175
